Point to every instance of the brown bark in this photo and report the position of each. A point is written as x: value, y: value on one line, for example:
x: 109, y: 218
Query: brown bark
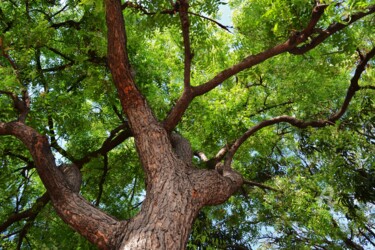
x: 87, y: 220
x: 175, y: 190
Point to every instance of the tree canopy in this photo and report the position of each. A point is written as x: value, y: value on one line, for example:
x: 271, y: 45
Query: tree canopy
x: 281, y: 106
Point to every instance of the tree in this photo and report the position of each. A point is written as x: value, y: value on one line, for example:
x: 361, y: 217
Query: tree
x: 168, y: 114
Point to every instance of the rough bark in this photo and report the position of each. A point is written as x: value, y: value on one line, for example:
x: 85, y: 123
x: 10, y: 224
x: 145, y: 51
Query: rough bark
x: 175, y: 190
x: 72, y: 175
x: 182, y: 148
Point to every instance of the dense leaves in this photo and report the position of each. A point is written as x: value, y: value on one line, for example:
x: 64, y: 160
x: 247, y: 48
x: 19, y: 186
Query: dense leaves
x: 309, y: 188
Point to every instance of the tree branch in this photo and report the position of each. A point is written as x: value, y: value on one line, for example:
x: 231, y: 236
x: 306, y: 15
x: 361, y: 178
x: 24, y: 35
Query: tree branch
x: 183, y: 11
x: 173, y: 11
x: 21, y: 105
x: 289, y: 46
x: 182, y: 104
x: 6, y: 55
x: 353, y: 88
x: 67, y: 24
x: 54, y: 143
x: 117, y: 136
x: 39, y: 204
x: 212, y: 20
x: 99, y: 227
x: 332, y: 29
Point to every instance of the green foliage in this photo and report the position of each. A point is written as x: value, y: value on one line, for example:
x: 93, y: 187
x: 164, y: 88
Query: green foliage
x: 324, y: 177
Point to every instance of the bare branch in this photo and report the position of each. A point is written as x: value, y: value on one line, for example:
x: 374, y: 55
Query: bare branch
x: 212, y: 20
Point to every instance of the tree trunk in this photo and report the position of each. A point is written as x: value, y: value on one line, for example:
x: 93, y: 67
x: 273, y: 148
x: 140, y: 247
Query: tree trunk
x: 175, y: 189
x: 171, y: 205
x: 166, y: 216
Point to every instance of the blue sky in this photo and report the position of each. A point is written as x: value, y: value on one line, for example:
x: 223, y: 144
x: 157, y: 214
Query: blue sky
x: 226, y: 15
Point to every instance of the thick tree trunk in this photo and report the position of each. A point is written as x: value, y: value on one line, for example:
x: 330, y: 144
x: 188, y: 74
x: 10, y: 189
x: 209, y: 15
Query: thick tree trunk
x: 172, y: 203
x: 166, y: 216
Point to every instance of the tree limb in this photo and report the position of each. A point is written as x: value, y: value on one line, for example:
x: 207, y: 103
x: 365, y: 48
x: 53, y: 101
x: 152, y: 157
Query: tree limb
x: 21, y: 105
x: 353, y: 88
x: 99, y: 229
x: 182, y: 104
x: 288, y: 46
x: 68, y: 23
x: 173, y: 11
x: 332, y: 29
x: 117, y: 136
x: 183, y: 11
x: 31, y: 212
x: 6, y: 55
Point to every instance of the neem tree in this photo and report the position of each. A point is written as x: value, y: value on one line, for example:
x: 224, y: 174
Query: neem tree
x: 277, y: 112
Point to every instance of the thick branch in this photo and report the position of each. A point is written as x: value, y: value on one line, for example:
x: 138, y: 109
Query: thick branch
x: 182, y: 104
x: 214, y: 188
x: 131, y: 99
x: 72, y: 208
x: 150, y: 137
